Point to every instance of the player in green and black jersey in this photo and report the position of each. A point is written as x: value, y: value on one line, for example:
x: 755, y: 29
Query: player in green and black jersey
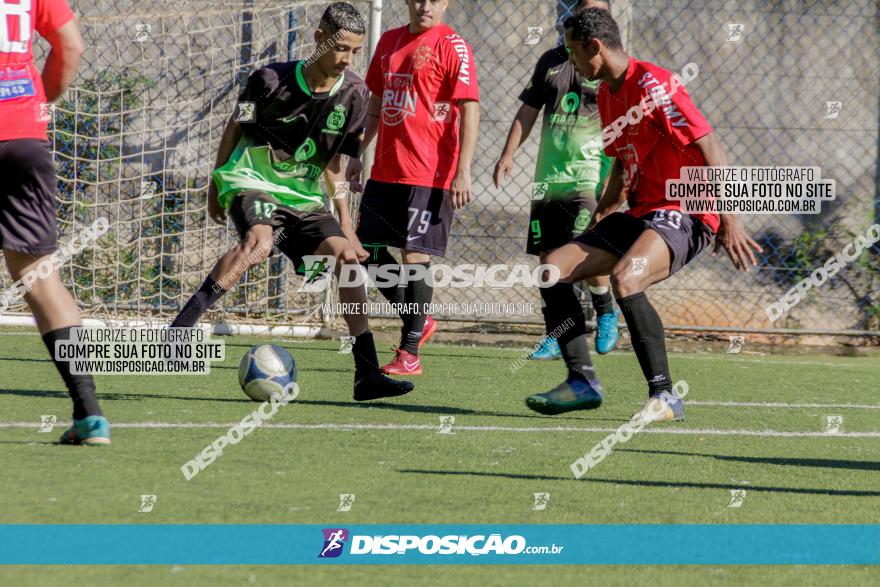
x: 292, y: 124
x: 569, y: 174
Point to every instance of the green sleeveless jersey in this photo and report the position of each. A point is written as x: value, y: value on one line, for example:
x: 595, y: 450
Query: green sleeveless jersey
x: 290, y: 134
x: 570, y: 156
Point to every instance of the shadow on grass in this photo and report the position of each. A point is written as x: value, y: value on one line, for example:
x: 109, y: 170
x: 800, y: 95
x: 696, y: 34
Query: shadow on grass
x: 790, y: 461
x: 121, y: 396
x: 443, y: 410
x: 118, y: 396
x: 649, y: 483
x: 34, y: 442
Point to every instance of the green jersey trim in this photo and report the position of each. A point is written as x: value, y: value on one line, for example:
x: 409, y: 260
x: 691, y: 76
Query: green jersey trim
x: 301, y: 80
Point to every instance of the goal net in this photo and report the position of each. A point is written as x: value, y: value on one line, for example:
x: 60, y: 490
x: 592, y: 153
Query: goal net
x: 135, y: 139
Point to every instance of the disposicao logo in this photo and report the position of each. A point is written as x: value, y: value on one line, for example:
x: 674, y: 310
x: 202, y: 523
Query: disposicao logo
x: 334, y: 540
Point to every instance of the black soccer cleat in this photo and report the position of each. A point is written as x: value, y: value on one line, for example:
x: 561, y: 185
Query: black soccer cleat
x: 571, y: 394
x: 377, y: 385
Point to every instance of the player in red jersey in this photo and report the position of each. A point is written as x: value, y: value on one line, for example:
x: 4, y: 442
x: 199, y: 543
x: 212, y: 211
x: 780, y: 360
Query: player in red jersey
x: 653, y: 239
x: 570, y: 174
x: 425, y: 109
x: 28, y: 229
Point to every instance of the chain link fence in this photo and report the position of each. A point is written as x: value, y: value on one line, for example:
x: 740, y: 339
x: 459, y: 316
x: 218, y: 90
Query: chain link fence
x: 137, y: 134
x: 782, y: 83
x: 135, y: 138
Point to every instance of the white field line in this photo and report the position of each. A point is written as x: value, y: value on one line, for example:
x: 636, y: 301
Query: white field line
x: 348, y: 427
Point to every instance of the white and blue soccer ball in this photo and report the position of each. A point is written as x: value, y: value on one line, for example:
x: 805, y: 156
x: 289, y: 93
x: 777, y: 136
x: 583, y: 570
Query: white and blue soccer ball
x: 266, y: 370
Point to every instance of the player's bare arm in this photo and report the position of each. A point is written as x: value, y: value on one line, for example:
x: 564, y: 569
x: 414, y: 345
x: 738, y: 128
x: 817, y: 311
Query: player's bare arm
x: 520, y: 129
x: 231, y: 136
x: 731, y: 235
x: 334, y: 175
x: 614, y: 194
x: 374, y: 106
x: 63, y: 60
x: 469, y: 127
x: 354, y: 169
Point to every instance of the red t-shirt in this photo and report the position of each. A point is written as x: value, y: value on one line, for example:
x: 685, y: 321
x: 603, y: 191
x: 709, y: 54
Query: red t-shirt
x: 420, y: 77
x: 661, y: 143
x: 21, y: 87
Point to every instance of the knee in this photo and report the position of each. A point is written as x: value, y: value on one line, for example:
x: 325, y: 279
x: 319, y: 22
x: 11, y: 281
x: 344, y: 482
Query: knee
x: 347, y: 256
x: 415, y: 257
x: 347, y: 267
x: 624, y: 282
x: 563, y: 272
x: 255, y: 250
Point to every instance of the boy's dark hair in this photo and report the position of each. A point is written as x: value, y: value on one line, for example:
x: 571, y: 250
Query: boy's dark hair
x: 342, y: 16
x: 582, y: 4
x: 594, y: 23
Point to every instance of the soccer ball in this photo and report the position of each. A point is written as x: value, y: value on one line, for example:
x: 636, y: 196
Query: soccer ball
x: 266, y: 370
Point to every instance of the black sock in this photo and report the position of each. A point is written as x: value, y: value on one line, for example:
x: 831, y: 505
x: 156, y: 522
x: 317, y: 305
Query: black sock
x: 546, y: 319
x: 565, y: 321
x: 602, y: 303
x: 380, y: 256
x: 649, y: 343
x: 198, y: 304
x: 418, y: 297
x: 80, y: 387
x: 364, y: 351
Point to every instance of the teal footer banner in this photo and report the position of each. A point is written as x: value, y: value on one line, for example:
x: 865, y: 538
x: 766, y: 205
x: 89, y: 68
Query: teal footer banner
x: 440, y: 544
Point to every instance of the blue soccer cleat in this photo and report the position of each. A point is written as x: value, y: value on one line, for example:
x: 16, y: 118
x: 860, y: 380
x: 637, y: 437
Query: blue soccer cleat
x: 571, y: 394
x: 663, y: 407
x: 607, y: 333
x: 91, y: 431
x: 548, y: 350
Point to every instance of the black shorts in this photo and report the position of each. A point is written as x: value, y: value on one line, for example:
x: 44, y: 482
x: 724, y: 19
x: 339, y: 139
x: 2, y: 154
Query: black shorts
x: 405, y: 216
x: 303, y: 231
x: 555, y: 222
x: 685, y: 236
x: 27, y: 197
